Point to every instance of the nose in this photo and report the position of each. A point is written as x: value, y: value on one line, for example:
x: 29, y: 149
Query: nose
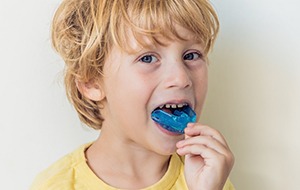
x: 177, y: 76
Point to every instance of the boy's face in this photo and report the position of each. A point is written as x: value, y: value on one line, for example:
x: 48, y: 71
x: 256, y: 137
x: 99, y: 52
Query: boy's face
x: 136, y: 84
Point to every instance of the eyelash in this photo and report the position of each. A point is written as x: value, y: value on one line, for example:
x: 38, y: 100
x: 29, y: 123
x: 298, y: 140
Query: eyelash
x: 148, y: 56
x: 151, y: 56
x: 199, y: 56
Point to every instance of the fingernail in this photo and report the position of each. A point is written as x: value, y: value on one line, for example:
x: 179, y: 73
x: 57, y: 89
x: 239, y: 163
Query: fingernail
x: 179, y: 144
x: 179, y: 151
x: 189, y: 125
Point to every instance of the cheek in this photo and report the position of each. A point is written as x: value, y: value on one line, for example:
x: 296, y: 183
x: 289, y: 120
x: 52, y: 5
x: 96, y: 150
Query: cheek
x: 201, y: 80
x: 200, y: 87
x: 200, y: 92
x: 128, y: 93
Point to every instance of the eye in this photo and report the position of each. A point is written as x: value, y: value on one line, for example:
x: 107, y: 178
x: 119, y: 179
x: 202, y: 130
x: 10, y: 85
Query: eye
x: 192, y: 56
x: 148, y: 59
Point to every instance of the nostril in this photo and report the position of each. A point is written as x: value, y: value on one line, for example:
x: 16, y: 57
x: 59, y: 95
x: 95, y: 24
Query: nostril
x: 177, y: 75
x: 180, y: 81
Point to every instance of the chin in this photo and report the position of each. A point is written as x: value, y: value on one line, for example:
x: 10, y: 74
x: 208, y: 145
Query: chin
x: 167, y: 149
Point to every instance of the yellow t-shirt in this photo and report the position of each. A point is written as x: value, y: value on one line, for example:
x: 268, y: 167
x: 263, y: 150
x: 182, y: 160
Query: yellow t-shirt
x: 72, y: 172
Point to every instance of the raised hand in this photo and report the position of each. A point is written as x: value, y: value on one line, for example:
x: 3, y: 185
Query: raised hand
x: 208, y: 159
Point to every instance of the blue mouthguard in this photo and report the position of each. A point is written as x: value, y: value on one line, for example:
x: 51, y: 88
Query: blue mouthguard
x: 175, y: 122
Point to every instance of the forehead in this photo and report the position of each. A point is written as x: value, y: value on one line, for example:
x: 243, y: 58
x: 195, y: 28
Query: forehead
x: 137, y: 41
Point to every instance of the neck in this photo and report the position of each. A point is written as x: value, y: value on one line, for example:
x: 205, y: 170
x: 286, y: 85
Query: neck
x: 122, y: 163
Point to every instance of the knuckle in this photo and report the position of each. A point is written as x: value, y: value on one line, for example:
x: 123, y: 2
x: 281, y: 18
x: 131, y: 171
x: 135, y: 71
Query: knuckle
x: 231, y: 159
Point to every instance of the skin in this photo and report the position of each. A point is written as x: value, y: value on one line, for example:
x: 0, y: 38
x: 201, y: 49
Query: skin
x: 132, y: 87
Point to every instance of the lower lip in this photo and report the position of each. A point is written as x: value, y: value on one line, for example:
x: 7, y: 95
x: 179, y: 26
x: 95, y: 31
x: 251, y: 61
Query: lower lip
x: 165, y: 131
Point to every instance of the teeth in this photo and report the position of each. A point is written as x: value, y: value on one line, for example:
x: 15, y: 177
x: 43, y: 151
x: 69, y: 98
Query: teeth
x: 174, y: 106
x: 180, y: 105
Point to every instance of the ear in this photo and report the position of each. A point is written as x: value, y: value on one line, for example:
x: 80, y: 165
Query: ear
x: 91, y: 90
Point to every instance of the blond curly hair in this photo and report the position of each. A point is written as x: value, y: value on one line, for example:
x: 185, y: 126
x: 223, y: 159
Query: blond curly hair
x: 84, y: 31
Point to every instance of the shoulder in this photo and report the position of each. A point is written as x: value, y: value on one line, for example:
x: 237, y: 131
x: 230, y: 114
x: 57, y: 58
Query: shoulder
x: 56, y: 176
x: 60, y: 175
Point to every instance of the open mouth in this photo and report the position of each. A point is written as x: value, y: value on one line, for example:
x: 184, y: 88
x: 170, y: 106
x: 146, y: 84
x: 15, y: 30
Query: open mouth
x: 174, y: 117
x: 171, y: 108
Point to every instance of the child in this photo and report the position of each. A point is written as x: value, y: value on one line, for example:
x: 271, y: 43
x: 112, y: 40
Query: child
x: 124, y: 60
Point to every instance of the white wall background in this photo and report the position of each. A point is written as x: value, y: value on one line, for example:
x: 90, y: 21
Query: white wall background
x: 254, y: 95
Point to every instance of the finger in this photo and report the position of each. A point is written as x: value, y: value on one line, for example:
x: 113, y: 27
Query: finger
x: 203, y: 151
x: 207, y: 141
x: 196, y: 129
x: 209, y: 156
